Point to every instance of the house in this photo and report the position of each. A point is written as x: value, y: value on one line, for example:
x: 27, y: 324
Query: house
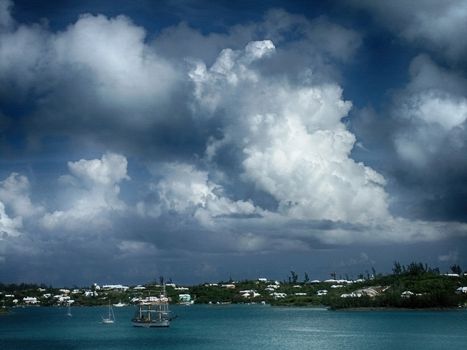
x: 62, y: 298
x: 90, y: 293
x: 300, y: 294
x: 181, y: 288
x: 115, y: 287
x: 276, y: 295
x: 262, y: 279
x: 322, y: 292
x: 371, y: 291
x: 351, y: 295
x: 406, y: 294
x: 30, y: 300
x: 461, y: 290
x: 184, y: 298
x: 249, y: 293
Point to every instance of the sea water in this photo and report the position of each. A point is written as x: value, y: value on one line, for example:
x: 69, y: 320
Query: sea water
x: 234, y: 327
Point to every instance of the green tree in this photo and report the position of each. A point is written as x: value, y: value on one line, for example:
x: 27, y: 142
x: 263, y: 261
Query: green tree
x: 397, y: 268
x: 293, y: 277
x: 456, y: 269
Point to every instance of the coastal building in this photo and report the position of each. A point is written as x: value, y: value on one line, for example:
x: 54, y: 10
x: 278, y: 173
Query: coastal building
x: 90, y: 293
x: 184, y: 298
x: 351, y: 295
x: 118, y: 287
x: 452, y: 274
x: 249, y: 293
x: 62, y: 298
x: 30, y: 300
x: 276, y: 295
x: 406, y: 294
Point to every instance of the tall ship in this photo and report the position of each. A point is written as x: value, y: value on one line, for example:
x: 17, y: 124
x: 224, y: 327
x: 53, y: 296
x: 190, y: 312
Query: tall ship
x: 153, y: 312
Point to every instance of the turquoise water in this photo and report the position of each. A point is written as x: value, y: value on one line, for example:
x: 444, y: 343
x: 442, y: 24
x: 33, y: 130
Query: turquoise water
x: 235, y: 327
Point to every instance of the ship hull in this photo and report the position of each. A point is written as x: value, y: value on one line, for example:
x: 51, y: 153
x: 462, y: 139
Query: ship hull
x: 152, y: 324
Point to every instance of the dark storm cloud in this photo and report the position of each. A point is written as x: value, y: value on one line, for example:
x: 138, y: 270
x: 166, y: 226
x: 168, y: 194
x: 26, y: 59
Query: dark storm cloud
x: 420, y: 140
x: 434, y: 25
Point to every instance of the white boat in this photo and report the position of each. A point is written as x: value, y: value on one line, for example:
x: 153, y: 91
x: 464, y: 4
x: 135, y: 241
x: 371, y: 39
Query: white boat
x: 68, y: 311
x: 120, y: 304
x: 153, y: 312
x: 110, y: 318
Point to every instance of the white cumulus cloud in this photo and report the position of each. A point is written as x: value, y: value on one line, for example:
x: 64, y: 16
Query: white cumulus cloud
x: 293, y: 143
x: 9, y: 226
x: 185, y: 190
x: 104, y: 62
x: 433, y: 107
x: 93, y: 193
x: 15, y: 194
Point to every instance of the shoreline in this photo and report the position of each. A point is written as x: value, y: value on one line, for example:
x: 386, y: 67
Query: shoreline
x: 321, y: 307
x: 369, y: 309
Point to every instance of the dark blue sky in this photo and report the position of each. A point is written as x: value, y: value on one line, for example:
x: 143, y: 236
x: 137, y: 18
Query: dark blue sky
x: 201, y: 140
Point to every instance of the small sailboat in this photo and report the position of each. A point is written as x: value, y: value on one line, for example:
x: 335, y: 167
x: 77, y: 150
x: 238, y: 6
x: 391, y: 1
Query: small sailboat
x: 68, y: 310
x: 110, y: 318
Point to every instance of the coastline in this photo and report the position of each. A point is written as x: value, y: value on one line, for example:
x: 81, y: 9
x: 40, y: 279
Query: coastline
x: 369, y: 309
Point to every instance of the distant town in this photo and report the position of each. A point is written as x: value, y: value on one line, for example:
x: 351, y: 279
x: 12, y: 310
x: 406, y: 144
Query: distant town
x: 413, y: 286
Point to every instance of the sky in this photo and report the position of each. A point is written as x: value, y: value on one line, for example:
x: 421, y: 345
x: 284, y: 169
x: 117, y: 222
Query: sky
x: 203, y: 141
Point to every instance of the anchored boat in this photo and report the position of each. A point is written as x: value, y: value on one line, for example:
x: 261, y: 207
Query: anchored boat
x: 110, y: 318
x: 153, y: 312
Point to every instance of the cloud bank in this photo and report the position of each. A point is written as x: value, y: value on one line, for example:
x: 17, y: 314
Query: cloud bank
x: 185, y: 145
